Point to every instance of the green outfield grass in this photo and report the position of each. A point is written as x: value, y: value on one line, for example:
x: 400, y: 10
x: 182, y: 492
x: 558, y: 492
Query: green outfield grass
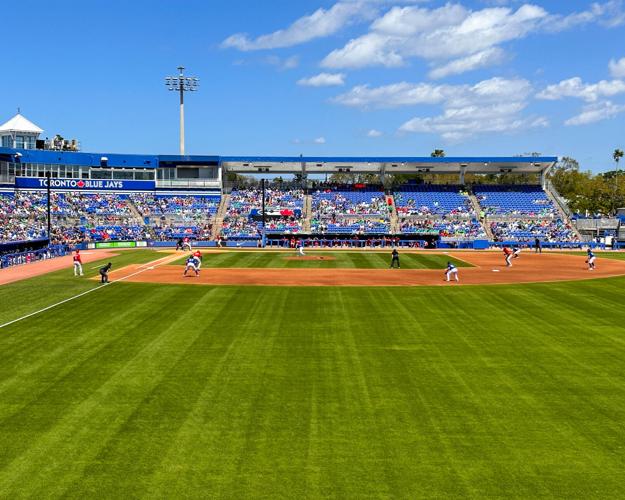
x: 153, y: 391
x: 335, y: 260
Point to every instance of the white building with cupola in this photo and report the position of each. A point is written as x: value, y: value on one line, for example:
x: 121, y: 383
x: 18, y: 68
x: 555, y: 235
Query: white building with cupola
x: 19, y: 133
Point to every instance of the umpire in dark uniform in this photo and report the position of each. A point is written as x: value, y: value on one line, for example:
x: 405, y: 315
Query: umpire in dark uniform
x: 395, y: 258
x: 104, y: 273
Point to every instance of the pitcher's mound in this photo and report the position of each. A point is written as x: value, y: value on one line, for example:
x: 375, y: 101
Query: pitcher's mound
x: 310, y: 257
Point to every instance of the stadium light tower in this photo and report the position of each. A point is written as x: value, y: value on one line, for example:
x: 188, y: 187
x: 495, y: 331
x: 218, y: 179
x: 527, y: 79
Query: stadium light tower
x: 182, y: 84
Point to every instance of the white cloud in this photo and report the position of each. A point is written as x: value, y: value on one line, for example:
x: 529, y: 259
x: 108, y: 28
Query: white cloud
x: 455, y: 39
x: 320, y: 140
x: 596, y: 112
x: 291, y: 62
x: 321, y: 23
x: 394, y: 95
x: 374, y: 133
x: 456, y: 124
x: 575, y: 87
x: 323, y: 80
x: 493, y: 105
x: 411, y: 94
x: 617, y: 68
x: 488, y: 57
x: 439, y: 35
x: 609, y: 14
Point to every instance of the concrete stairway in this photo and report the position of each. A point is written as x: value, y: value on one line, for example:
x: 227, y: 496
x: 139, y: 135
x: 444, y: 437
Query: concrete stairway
x: 394, y: 219
x: 218, y: 221
x: 134, y: 210
x: 307, y: 213
x: 562, y: 207
x: 475, y: 204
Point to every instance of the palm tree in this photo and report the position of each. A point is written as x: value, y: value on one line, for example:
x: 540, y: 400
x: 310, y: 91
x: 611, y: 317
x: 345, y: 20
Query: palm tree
x: 438, y: 153
x: 617, y: 155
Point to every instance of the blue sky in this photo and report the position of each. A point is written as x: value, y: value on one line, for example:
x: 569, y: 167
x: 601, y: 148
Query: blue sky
x: 356, y: 77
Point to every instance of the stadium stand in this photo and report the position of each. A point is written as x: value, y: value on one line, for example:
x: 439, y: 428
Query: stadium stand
x: 342, y: 211
x: 515, y: 201
x: 427, y: 199
x: 522, y: 213
x: 517, y: 213
x: 188, y: 206
x: 243, y: 218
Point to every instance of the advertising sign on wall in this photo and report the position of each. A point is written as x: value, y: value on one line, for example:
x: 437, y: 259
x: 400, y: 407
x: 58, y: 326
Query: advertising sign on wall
x: 84, y: 184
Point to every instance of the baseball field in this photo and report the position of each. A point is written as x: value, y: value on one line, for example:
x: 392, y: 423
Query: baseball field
x: 509, y: 384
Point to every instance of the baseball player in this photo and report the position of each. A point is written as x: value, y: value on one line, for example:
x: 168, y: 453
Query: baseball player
x: 186, y: 243
x: 104, y: 273
x: 590, y: 260
x: 451, y: 269
x: 300, y: 248
x: 179, y: 244
x: 395, y: 259
x: 191, y: 265
x: 507, y: 251
x: 515, y: 252
x: 198, y: 257
x: 77, y: 264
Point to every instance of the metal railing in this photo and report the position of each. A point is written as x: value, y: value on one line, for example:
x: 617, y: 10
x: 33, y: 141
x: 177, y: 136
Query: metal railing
x: 188, y: 183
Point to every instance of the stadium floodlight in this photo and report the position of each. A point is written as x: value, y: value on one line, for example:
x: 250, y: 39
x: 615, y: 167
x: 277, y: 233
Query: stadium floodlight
x: 182, y: 84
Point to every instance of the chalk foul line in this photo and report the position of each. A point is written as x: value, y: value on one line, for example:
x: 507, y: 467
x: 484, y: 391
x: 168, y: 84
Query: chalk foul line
x: 151, y: 266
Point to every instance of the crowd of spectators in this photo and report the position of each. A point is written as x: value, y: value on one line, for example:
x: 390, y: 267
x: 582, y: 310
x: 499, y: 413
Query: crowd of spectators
x: 166, y: 232
x: 445, y: 227
x: 12, y: 258
x: 329, y: 203
x: 429, y: 200
x: 283, y: 212
x: 529, y: 229
x: 189, y: 207
x: 514, y: 213
x: 339, y: 225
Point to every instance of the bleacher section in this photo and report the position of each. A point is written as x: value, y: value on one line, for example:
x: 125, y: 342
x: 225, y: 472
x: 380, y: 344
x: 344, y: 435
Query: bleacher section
x: 445, y: 210
x: 154, y: 205
x: 427, y: 199
x: 516, y: 213
x: 522, y: 213
x: 243, y: 218
x: 515, y: 201
x: 359, y: 211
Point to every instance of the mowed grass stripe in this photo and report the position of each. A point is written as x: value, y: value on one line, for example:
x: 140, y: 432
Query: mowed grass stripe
x: 333, y: 260
x: 105, y: 402
x: 502, y: 391
x: 27, y: 296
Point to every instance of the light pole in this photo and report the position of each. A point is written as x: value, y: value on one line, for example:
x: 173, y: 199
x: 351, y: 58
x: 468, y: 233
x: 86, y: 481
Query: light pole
x: 48, y: 205
x: 182, y: 84
x: 262, y: 183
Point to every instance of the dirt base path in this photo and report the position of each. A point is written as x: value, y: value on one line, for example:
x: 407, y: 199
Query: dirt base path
x: 25, y: 271
x: 490, y: 269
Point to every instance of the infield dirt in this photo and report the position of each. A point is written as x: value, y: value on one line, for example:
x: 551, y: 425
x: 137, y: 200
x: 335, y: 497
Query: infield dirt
x: 489, y: 268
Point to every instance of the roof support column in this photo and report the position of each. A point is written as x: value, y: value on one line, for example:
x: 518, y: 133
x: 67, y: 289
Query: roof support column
x: 463, y: 169
x: 304, y: 175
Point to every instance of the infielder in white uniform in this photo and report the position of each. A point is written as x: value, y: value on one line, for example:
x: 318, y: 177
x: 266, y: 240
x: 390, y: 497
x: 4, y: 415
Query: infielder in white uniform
x: 451, y: 271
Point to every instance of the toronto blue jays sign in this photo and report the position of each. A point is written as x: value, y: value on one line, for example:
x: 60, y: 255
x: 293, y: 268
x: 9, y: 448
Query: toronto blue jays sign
x: 84, y: 184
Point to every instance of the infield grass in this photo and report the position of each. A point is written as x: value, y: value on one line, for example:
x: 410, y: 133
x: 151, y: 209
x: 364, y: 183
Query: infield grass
x: 153, y: 391
x: 325, y: 260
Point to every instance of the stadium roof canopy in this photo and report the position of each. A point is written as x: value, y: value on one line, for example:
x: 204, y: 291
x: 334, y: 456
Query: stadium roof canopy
x: 388, y: 165
x: 293, y: 164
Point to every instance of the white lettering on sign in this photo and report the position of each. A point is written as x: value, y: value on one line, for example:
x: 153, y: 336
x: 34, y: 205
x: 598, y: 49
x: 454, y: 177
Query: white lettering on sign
x: 81, y: 184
